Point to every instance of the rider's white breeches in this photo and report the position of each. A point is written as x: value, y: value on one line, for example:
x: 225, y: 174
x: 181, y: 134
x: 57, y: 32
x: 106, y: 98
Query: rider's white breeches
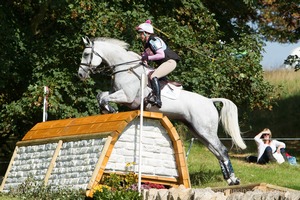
x: 164, y: 69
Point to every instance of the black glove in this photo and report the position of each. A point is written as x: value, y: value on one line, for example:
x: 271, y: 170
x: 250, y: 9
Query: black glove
x: 145, y: 57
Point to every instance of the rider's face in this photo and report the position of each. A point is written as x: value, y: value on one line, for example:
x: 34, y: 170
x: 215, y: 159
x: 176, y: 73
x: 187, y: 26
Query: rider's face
x: 143, y: 36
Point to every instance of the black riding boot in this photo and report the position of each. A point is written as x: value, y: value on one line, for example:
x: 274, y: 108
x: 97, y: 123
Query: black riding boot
x: 156, y: 91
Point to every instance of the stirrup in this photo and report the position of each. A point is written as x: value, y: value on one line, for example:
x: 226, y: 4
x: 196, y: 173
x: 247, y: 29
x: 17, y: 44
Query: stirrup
x: 152, y: 99
x: 157, y: 103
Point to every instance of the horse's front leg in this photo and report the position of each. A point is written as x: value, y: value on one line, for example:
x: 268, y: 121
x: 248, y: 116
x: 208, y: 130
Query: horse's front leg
x: 103, y: 103
x: 117, y: 97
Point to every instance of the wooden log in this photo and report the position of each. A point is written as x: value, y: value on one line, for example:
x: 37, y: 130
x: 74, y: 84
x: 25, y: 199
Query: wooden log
x: 236, y: 188
x: 53, y: 160
x: 9, y: 168
x: 93, y: 182
x: 63, y: 138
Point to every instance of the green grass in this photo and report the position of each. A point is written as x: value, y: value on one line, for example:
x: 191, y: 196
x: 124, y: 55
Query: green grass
x: 288, y: 81
x: 205, y: 171
x: 283, y: 121
x: 6, y: 197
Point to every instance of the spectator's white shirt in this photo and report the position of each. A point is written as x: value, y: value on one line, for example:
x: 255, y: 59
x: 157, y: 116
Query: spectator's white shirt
x: 261, y: 146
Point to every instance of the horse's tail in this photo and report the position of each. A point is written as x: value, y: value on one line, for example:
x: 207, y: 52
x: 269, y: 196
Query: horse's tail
x: 229, y: 118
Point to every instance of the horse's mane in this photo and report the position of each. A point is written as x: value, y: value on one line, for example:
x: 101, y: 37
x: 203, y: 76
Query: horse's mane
x: 112, y: 41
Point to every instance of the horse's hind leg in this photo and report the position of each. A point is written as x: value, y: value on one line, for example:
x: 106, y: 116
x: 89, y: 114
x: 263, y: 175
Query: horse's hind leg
x: 228, y: 173
x: 213, y: 143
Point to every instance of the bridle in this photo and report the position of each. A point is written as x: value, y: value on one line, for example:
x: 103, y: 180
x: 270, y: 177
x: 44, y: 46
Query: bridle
x: 94, y: 69
x: 91, y: 68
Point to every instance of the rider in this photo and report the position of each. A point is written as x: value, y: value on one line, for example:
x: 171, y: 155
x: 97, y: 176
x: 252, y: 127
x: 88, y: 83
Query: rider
x: 155, y: 49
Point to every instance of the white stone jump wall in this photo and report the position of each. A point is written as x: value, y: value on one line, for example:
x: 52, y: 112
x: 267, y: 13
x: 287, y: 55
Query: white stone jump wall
x: 30, y: 160
x: 77, y: 160
x: 76, y: 163
x: 158, y: 157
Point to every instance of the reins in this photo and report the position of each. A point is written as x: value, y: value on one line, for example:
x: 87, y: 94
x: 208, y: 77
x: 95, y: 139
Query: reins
x: 94, y: 69
x: 125, y: 63
x: 131, y: 69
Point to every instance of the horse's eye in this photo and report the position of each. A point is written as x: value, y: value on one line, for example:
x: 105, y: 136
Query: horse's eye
x: 86, y: 54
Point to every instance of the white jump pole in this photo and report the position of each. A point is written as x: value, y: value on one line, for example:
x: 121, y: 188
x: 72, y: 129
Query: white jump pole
x: 45, y: 104
x: 141, y: 131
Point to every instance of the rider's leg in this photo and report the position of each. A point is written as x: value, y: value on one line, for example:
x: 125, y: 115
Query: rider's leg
x: 156, y: 91
x: 163, y: 70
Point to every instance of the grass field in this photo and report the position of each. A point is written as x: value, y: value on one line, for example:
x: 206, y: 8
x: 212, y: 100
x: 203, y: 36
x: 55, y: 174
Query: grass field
x: 283, y: 120
x: 205, y: 171
x: 288, y: 80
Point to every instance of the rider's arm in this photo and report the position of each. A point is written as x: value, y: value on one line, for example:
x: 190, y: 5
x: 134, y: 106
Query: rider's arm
x: 160, y: 54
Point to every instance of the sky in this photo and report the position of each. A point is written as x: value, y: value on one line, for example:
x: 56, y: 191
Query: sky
x: 275, y: 54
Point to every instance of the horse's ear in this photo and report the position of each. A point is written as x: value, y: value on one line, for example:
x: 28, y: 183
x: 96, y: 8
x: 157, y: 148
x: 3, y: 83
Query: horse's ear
x: 86, y: 40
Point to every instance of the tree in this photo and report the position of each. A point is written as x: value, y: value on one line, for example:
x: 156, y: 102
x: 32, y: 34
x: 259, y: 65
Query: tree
x: 274, y: 20
x: 279, y: 20
x: 41, y: 43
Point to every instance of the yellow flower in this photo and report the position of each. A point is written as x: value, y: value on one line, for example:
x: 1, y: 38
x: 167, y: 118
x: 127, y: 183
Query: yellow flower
x: 100, y: 188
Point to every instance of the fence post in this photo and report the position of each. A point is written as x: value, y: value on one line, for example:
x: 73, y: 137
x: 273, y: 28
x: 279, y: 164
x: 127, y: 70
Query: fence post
x: 141, y: 131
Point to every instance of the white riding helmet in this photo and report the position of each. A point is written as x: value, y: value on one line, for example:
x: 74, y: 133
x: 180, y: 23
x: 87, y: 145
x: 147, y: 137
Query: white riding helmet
x: 145, y: 27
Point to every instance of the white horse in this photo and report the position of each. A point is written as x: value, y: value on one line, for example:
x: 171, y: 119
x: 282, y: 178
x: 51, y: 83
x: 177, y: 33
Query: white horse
x: 198, y: 112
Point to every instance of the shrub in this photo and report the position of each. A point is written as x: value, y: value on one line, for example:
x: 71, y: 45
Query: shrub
x: 117, y: 186
x: 32, y: 189
x: 109, y: 194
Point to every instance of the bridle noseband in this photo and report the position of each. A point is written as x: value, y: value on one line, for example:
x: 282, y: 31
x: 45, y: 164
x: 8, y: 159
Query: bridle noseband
x: 93, y: 69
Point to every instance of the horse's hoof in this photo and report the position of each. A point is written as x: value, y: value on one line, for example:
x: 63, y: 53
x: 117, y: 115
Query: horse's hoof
x: 104, y: 112
x: 236, y: 181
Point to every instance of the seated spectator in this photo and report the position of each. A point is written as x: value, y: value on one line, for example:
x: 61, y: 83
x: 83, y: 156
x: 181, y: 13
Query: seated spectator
x: 267, y: 148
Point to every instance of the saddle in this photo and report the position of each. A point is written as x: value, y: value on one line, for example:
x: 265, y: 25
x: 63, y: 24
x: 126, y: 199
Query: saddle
x: 151, y: 98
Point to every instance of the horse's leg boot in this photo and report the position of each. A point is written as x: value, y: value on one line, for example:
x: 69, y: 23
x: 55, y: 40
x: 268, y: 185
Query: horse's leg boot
x: 156, y: 90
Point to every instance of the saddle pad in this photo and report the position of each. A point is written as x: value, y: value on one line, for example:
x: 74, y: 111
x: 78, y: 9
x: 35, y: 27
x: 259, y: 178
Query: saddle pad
x: 170, y: 91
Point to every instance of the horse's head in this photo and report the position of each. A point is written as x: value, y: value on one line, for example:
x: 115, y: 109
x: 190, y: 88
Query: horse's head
x: 90, y: 60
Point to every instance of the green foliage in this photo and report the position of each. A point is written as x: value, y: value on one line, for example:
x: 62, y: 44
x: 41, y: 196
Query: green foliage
x: 273, y: 20
x: 114, y: 186
x: 7, y: 197
x: 107, y: 194
x: 36, y: 190
x: 121, y: 186
x: 41, y: 46
x: 120, y: 182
